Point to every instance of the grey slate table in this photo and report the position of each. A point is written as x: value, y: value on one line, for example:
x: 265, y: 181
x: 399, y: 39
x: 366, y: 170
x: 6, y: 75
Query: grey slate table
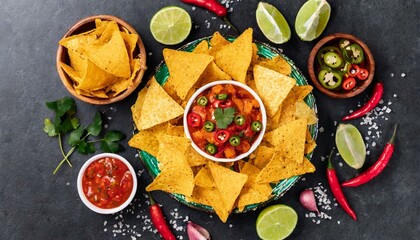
x: 34, y: 204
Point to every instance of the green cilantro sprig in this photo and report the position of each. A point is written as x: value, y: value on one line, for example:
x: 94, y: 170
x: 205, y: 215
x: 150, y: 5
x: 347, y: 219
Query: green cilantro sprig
x: 66, y: 123
x: 224, y: 117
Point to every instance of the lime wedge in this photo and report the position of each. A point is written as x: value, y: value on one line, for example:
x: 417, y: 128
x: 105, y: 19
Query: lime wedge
x: 350, y: 145
x: 312, y: 19
x: 171, y: 25
x: 276, y: 222
x: 272, y: 23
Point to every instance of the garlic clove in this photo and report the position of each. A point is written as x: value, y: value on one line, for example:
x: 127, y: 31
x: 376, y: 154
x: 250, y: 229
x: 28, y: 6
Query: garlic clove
x: 197, y: 232
x: 307, y: 199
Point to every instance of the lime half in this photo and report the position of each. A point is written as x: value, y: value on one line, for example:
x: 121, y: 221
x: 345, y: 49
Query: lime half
x: 312, y: 19
x: 171, y: 25
x: 276, y: 222
x: 272, y: 23
x: 350, y: 145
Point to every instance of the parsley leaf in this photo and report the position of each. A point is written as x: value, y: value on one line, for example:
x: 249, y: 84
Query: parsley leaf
x: 224, y: 117
x: 61, y: 106
x: 110, y: 142
x: 84, y: 147
x: 49, y: 128
x: 75, y: 136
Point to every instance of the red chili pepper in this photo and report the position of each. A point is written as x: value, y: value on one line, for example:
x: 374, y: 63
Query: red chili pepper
x: 222, y: 103
x: 376, y: 168
x: 336, y: 189
x: 353, y: 70
x: 363, y: 74
x: 221, y: 136
x: 159, y: 221
x: 213, y: 6
x: 371, y: 104
x: 194, y: 119
x: 349, y: 83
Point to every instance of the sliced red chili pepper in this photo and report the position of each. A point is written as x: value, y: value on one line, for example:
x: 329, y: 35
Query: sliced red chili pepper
x: 371, y: 104
x: 336, y: 189
x: 221, y: 136
x: 376, y: 168
x: 349, y: 83
x: 222, y: 103
x: 363, y: 74
x: 353, y: 70
x: 194, y: 119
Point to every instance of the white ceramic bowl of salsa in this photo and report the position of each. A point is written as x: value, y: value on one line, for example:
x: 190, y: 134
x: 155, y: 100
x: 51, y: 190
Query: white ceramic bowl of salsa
x: 207, y: 89
x: 107, y: 183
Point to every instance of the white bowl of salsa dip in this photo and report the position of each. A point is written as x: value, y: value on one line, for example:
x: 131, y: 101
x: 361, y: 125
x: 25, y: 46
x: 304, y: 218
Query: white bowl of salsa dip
x: 225, y: 121
x: 106, y: 183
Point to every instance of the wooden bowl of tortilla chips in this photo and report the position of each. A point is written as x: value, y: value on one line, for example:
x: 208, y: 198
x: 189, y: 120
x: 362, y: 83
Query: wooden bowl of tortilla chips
x: 101, y: 59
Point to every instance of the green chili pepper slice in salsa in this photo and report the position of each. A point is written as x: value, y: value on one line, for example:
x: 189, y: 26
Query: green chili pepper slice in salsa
x: 208, y: 126
x: 256, y: 126
x: 222, y: 96
x: 239, y: 120
x: 235, y: 141
x: 211, y: 148
x: 202, y: 101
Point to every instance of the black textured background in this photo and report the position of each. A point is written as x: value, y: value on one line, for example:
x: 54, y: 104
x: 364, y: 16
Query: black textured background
x: 34, y: 204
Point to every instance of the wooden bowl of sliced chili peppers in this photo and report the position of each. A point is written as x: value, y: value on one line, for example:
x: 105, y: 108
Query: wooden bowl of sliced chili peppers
x: 341, y: 65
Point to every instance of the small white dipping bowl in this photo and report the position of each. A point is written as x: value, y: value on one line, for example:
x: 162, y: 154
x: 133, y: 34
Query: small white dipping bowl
x: 83, y: 196
x: 256, y: 142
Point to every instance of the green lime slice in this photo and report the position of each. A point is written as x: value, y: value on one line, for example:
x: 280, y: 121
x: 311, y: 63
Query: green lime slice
x: 272, y: 23
x: 276, y: 222
x: 312, y: 19
x: 350, y: 145
x: 170, y: 25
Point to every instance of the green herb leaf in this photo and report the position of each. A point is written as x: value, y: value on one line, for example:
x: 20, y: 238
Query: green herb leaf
x: 224, y: 117
x: 49, y: 128
x: 96, y: 127
x: 75, y: 136
x: 109, y: 146
x: 85, y: 147
x: 61, y: 106
x: 75, y: 123
x: 113, y: 136
x: 66, y: 125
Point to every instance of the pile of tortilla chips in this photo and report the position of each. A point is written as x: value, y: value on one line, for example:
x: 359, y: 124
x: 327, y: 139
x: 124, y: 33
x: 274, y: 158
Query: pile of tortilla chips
x: 102, y: 62
x: 224, y: 186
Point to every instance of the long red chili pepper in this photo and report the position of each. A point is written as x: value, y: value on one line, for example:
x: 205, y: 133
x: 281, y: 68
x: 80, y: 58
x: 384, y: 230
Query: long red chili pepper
x: 336, y: 189
x: 371, y: 104
x: 213, y: 6
x: 159, y: 221
x: 376, y: 168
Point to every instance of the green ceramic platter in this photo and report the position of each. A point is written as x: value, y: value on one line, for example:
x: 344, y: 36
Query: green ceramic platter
x: 279, y: 189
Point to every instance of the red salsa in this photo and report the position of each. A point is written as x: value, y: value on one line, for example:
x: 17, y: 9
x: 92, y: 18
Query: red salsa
x: 107, y: 183
x: 225, y: 120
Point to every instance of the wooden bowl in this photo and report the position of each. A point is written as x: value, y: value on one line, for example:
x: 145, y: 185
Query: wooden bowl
x: 87, y: 24
x: 313, y: 65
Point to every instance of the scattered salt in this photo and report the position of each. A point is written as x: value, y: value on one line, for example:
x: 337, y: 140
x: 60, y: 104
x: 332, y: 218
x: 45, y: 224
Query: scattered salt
x: 105, y: 126
x: 402, y: 74
x: 392, y: 74
x: 68, y: 183
x: 321, y: 129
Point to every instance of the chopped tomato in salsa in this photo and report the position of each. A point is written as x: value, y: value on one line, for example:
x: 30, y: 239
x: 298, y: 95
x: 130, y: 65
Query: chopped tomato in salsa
x: 232, y: 112
x: 107, y: 183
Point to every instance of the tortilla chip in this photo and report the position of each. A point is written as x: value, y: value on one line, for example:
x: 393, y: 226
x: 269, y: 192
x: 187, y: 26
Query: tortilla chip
x: 184, y: 69
x: 73, y: 74
x: 263, y: 156
x: 148, y: 140
x: 304, y: 111
x: 272, y: 87
x: 217, y: 41
x: 158, y: 107
x: 278, y: 64
x: 122, y: 84
x: 255, y: 58
x: 289, y: 139
x: 310, y: 143
x: 199, y: 196
x: 130, y: 41
x: 280, y: 168
x: 96, y: 78
x: 204, y: 178
x: 235, y: 58
x: 202, y: 47
x: 78, y: 61
x: 111, y: 56
x: 228, y: 182
x: 301, y: 91
x: 175, y: 130
x: 211, y: 74
x: 194, y: 158
x: 216, y: 202
x: 171, y: 147
x: 175, y: 177
x: 253, y: 192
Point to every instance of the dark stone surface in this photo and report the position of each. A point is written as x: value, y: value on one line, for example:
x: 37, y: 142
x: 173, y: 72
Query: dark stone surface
x: 34, y: 204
